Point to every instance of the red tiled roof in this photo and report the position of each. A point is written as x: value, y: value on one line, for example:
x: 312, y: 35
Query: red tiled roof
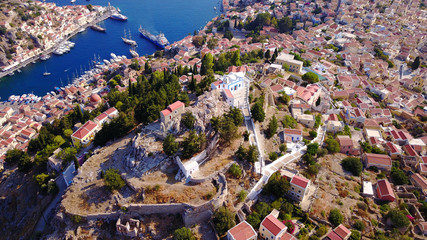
x: 385, y: 188
x: 166, y: 112
x: 345, y: 141
x: 300, y: 181
x: 381, y: 159
x: 174, y: 106
x: 228, y: 93
x: 242, y: 231
x: 101, y: 117
x: 423, y: 167
x: 424, y: 159
x: 273, y: 225
x: 111, y: 111
x: 392, y: 148
x: 409, y: 150
x: 342, y: 231
x: 84, y: 130
x: 333, y: 236
x: 276, y: 88
x: 292, y: 131
x: 288, y: 236
x: 420, y: 180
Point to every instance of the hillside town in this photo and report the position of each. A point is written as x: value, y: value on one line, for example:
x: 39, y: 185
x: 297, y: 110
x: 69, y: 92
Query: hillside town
x: 33, y: 30
x: 277, y: 120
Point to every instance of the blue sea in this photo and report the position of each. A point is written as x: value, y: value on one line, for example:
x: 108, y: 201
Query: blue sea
x: 175, y: 18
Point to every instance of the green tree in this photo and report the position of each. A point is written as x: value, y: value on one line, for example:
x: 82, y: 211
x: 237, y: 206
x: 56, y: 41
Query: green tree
x: 236, y: 115
x: 322, y: 230
x: 399, y: 177
x: 289, y: 122
x: 276, y: 185
x: 286, y: 67
x: 235, y: 58
x: 228, y: 34
x: 207, y: 65
x: 272, y: 127
x: 310, y: 77
x: 147, y: 68
x: 416, y: 64
x: 272, y: 156
x: 282, y: 148
x: 313, y: 134
x: 188, y: 120
x: 235, y: 170
x: 257, y: 112
x: 242, y: 195
x: 252, y: 154
x: 13, y: 156
x: 68, y: 154
x: 113, y: 180
x: 254, y: 219
x: 335, y: 217
x: 312, y: 148
x: 353, y: 165
x: 267, y: 54
x: 359, y: 225
x: 183, y: 234
x: 398, y: 218
x: 332, y: 145
x: 223, y: 220
x: 285, y: 25
x: 170, y: 145
x: 355, y: 235
x: 284, y: 98
x: 192, y: 144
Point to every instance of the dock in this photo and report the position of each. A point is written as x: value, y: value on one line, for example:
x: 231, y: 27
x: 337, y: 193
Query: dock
x: 103, y: 16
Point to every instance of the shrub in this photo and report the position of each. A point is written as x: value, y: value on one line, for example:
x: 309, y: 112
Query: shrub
x: 235, y: 170
x: 335, y: 217
x: 322, y: 230
x: 242, y: 195
x: 272, y: 156
x: 113, y: 180
x: 290, y: 225
x: 183, y: 234
x: 355, y: 235
x: 398, y: 218
x: 282, y: 147
x: 313, y: 134
x: 359, y: 225
x: 223, y: 220
x: 353, y: 165
x: 363, y: 206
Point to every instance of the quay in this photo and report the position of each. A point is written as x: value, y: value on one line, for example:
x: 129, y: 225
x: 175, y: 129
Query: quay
x: 108, y: 11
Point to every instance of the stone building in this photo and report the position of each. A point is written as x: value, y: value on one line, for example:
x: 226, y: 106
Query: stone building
x: 128, y: 227
x: 171, y: 114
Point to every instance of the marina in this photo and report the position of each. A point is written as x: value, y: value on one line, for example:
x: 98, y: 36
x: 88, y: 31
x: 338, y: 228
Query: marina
x: 67, y: 66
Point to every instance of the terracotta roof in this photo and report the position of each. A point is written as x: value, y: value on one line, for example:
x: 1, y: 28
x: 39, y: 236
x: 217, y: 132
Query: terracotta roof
x: 423, y: 167
x: 242, y: 231
x: 110, y: 111
x: 84, y: 130
x: 410, y: 150
x: 385, y: 188
x: 101, y: 117
x: 342, y: 231
x: 392, y: 148
x: 288, y: 236
x: 424, y: 159
x: 174, y: 106
x: 381, y: 159
x: 333, y: 236
x: 166, y: 112
x: 420, y: 180
x: 345, y: 141
x: 300, y: 181
x: 292, y: 131
x: 273, y: 225
x: 228, y: 93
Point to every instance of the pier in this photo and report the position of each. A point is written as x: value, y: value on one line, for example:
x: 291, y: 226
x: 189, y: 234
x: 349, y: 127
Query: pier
x: 102, y: 16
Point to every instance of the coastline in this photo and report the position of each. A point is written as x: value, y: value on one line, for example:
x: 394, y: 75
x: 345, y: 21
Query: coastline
x: 103, y: 16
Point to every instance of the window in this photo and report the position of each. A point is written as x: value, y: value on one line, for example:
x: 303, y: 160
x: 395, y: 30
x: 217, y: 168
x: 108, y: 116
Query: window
x: 293, y: 188
x: 299, y: 191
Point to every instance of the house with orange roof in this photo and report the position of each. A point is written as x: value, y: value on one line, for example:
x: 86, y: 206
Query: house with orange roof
x: 384, y: 190
x: 419, y: 181
x: 292, y: 135
x: 379, y: 161
x: 271, y: 228
x: 347, y: 146
x: 242, y: 231
x: 299, y: 187
x: 171, y: 113
x: 85, y: 134
x: 339, y: 233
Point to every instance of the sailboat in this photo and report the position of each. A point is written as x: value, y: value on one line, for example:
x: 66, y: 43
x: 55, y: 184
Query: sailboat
x: 133, y: 52
x: 46, y: 73
x: 128, y: 40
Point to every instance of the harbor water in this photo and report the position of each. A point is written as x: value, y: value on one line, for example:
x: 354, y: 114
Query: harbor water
x: 176, y: 19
